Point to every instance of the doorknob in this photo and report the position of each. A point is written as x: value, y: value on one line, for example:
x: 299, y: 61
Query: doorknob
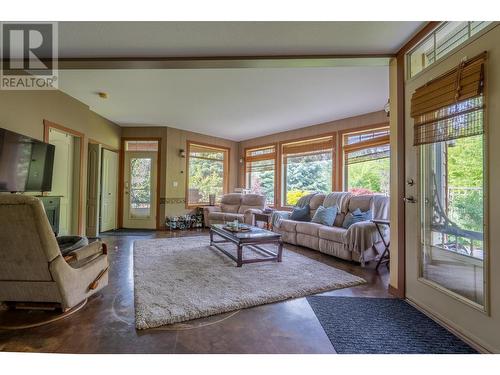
x: 410, y: 182
x: 410, y: 199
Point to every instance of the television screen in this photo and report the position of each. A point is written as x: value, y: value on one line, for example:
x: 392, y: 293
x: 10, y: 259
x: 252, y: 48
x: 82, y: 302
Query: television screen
x: 25, y: 163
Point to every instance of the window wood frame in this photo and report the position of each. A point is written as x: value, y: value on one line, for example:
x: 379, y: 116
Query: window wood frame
x: 282, y: 174
x: 226, y: 164
x: 343, y: 178
x: 245, y: 167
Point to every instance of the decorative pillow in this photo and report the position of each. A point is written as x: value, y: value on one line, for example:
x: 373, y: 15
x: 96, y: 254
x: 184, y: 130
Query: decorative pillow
x: 325, y: 216
x: 355, y: 217
x: 300, y: 213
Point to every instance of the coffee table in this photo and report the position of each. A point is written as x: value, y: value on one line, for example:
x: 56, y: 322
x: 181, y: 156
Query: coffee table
x: 251, y: 239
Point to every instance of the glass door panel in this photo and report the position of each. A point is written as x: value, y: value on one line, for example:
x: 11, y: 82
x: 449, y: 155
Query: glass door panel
x: 452, y: 216
x: 140, y: 187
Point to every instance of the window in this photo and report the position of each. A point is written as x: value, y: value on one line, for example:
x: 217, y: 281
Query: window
x: 367, y: 161
x: 307, y: 166
x: 450, y: 134
x: 141, y: 146
x: 445, y: 38
x: 260, y: 167
x: 207, y: 173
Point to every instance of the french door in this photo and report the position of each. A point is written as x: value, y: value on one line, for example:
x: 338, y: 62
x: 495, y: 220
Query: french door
x: 140, y: 186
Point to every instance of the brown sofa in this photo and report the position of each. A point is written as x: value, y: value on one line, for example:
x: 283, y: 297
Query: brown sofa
x: 234, y: 206
x: 361, y: 242
x: 32, y: 268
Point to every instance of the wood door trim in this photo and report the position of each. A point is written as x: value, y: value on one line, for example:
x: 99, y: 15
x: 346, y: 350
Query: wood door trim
x: 121, y: 178
x: 104, y: 145
x: 400, y: 291
x: 47, y: 125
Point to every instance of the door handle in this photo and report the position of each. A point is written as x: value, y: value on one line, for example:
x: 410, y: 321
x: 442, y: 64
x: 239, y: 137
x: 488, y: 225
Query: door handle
x: 410, y: 199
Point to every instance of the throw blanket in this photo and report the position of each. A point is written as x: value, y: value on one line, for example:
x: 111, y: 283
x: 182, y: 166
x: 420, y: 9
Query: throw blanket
x: 278, y: 216
x: 363, y: 236
x: 337, y: 199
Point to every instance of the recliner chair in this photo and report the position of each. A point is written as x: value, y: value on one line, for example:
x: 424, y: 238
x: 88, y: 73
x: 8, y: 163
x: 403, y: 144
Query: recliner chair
x: 32, y: 268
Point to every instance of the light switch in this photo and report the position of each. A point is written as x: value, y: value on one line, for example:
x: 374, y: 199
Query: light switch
x: 175, y: 183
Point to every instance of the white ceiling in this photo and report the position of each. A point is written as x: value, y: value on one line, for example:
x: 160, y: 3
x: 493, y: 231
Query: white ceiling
x: 161, y: 39
x: 233, y: 103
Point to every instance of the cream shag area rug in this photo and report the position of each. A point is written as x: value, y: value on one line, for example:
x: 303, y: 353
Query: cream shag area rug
x: 180, y: 279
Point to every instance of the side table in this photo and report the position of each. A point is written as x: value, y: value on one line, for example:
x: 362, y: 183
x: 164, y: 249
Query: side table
x: 386, y: 255
x: 264, y: 217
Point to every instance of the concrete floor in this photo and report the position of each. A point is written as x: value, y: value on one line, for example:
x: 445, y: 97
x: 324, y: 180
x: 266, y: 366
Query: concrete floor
x: 106, y: 323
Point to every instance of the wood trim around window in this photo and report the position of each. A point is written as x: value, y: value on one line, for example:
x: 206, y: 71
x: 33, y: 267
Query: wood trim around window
x: 47, y: 125
x: 342, y: 148
x: 121, y: 179
x: 276, y: 147
x: 227, y: 163
x: 334, y: 136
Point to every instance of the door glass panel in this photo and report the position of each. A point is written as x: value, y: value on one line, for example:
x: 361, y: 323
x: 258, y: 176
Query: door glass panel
x: 140, y: 187
x: 452, y: 216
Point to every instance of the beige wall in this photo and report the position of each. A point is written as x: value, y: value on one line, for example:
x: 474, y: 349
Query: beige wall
x: 483, y: 328
x: 173, y: 167
x: 351, y: 123
x: 24, y: 111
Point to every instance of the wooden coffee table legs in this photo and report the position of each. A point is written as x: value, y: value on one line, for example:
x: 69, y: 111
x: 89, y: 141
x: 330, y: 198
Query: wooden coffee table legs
x: 268, y: 255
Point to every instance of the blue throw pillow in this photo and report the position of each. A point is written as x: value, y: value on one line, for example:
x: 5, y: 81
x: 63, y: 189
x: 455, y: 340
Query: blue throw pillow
x: 325, y: 216
x: 355, y: 217
x: 300, y: 213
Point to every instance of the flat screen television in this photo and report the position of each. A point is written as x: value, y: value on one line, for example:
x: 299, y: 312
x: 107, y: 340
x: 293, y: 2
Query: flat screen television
x: 26, y: 164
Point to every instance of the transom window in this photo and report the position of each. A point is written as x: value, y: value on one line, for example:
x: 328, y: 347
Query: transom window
x: 441, y: 41
x: 307, y: 166
x: 207, y: 172
x: 260, y: 167
x: 367, y: 161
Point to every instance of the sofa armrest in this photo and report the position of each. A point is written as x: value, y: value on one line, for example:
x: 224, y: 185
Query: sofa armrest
x: 248, y: 215
x: 206, y: 211
x: 277, y: 216
x: 91, y: 249
x: 76, y: 284
x: 363, y: 235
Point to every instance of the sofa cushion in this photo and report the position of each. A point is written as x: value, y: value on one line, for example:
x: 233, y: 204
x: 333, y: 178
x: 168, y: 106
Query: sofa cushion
x: 356, y: 217
x: 231, y: 199
x: 288, y: 225
x: 253, y: 200
x: 300, y: 213
x: 363, y: 202
x: 231, y: 208
x: 335, y: 234
x: 232, y: 217
x: 325, y: 216
x: 224, y: 216
x: 310, y: 229
x: 316, y: 201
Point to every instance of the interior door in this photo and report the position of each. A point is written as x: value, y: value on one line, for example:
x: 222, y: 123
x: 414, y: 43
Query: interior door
x: 140, y: 185
x: 109, y: 173
x: 62, y: 180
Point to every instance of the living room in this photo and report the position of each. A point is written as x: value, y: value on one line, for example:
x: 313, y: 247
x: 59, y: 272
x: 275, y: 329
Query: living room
x: 249, y: 187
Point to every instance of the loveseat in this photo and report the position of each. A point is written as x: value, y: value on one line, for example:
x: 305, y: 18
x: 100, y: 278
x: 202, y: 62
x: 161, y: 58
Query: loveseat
x: 361, y: 242
x: 234, y: 206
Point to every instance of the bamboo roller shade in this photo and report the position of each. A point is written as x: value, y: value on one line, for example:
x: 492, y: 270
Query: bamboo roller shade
x: 461, y: 83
